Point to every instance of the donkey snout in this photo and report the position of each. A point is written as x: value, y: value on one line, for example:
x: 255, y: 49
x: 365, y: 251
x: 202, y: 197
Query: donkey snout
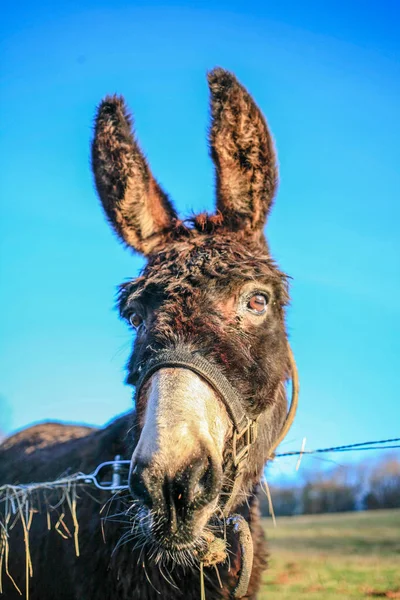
x: 191, y: 488
x: 180, y: 496
x: 177, y: 463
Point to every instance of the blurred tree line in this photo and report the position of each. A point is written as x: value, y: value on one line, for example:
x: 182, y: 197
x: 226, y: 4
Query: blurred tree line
x: 364, y: 486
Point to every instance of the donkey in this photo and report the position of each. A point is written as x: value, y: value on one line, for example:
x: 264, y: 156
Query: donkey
x: 210, y: 362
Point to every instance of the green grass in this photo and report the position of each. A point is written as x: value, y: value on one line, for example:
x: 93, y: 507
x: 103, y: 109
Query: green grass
x: 327, y: 557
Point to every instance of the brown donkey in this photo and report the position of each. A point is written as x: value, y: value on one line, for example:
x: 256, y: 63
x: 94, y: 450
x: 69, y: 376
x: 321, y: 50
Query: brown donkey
x: 209, y: 363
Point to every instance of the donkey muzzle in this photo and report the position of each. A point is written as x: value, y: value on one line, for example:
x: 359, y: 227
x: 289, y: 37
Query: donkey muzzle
x: 178, y: 499
x: 176, y: 468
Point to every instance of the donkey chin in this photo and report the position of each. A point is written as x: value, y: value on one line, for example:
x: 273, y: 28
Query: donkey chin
x: 176, y: 469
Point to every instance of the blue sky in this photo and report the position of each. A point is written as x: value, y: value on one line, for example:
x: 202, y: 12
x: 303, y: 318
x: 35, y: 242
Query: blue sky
x: 327, y: 77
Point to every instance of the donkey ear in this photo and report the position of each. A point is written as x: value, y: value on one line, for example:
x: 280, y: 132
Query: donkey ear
x: 243, y: 152
x: 135, y: 204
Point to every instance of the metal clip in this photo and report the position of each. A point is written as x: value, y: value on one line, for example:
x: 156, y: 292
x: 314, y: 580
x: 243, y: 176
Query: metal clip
x: 116, y: 482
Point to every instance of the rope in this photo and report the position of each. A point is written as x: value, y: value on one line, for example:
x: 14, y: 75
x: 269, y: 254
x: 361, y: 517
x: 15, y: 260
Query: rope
x: 293, y: 403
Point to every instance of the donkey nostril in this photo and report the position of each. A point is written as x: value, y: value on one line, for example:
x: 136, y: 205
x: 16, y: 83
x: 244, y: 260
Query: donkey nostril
x: 206, y: 480
x: 138, y: 487
x: 176, y: 496
x: 190, y: 489
x: 203, y: 482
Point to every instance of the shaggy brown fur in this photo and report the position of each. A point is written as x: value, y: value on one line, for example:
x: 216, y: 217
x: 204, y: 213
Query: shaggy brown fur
x: 243, y: 153
x: 135, y: 204
x: 186, y: 295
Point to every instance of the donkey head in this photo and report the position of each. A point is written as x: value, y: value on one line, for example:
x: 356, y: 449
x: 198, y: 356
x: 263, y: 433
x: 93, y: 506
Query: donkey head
x: 208, y: 313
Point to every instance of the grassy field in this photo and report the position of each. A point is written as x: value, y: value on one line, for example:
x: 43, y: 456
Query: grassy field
x: 327, y: 557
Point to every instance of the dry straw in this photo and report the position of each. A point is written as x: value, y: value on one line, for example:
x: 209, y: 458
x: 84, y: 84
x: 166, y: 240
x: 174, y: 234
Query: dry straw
x: 19, y: 504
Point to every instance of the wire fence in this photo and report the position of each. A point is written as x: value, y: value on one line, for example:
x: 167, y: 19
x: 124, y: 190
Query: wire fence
x: 388, y: 444
x: 119, y: 482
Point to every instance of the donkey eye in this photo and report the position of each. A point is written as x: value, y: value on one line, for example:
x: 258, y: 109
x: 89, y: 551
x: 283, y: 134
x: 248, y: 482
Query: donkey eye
x: 258, y: 303
x: 135, y: 320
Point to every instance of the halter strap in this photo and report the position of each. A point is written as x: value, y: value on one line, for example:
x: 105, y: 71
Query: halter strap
x: 182, y: 358
x: 245, y: 428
